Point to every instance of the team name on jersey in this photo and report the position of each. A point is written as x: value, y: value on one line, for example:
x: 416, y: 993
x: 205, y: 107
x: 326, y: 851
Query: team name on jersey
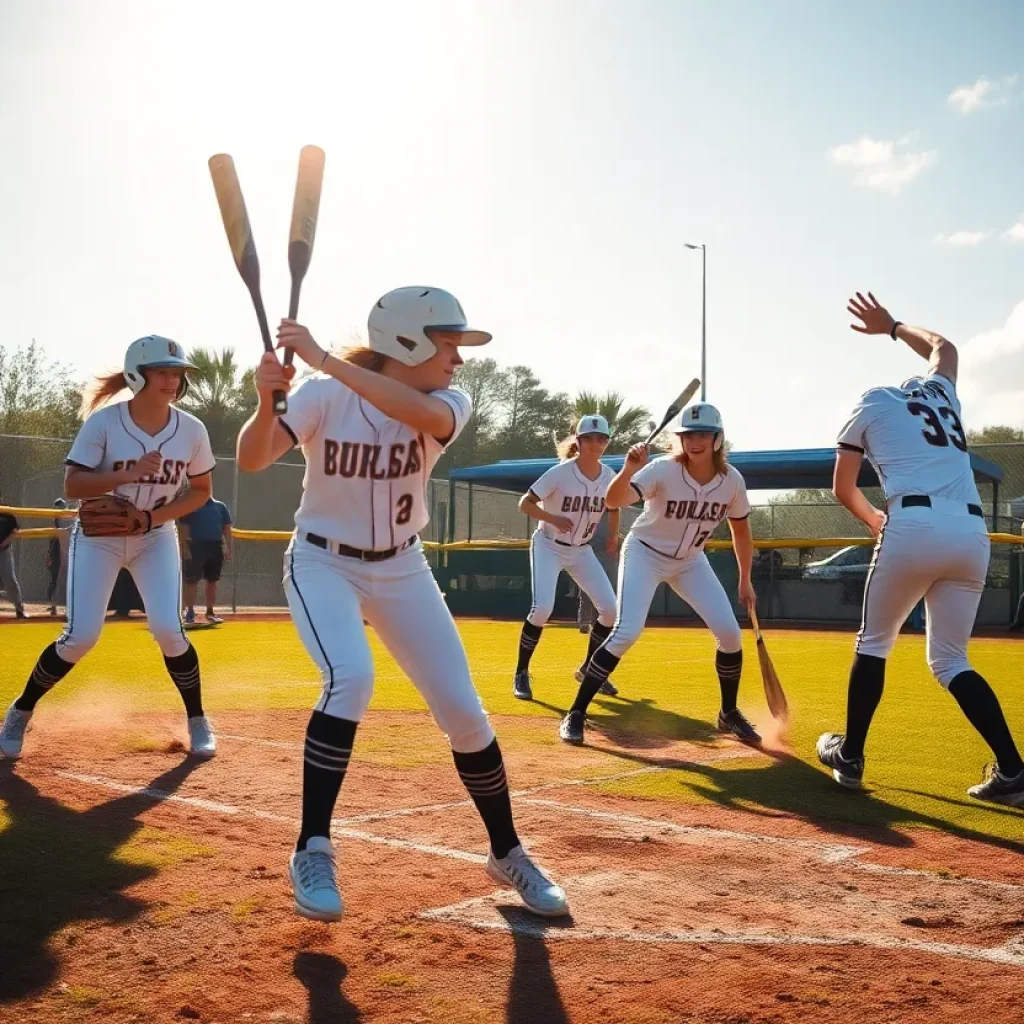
x: 703, y: 511
x: 357, y: 459
x: 929, y: 389
x: 579, y: 503
x: 169, y: 474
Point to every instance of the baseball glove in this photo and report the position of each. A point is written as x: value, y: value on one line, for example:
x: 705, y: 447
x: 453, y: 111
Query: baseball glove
x: 112, y: 515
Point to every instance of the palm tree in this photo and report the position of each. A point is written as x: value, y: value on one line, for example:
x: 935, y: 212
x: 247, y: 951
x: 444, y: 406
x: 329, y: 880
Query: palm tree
x: 626, y: 423
x: 218, y: 396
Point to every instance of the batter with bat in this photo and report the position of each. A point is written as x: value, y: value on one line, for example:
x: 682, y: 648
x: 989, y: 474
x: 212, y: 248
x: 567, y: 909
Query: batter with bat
x: 686, y: 495
x: 568, y: 503
x: 136, y: 466
x: 372, y: 425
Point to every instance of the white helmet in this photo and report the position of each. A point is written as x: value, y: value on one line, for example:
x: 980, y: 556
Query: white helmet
x: 152, y: 352
x: 701, y: 416
x: 399, y: 321
x: 593, y: 424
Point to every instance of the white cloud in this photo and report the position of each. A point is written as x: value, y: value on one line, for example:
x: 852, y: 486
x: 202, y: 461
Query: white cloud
x: 1016, y: 233
x: 992, y: 373
x: 966, y: 99
x: 963, y: 238
x: 882, y: 164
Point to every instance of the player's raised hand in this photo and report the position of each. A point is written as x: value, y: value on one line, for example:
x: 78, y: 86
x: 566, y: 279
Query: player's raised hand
x: 271, y: 376
x: 149, y: 465
x: 296, y: 337
x: 875, y: 318
x: 637, y: 457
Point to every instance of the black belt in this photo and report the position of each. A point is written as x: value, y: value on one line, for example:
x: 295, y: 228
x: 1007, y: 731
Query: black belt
x: 923, y: 501
x: 564, y: 543
x: 364, y: 556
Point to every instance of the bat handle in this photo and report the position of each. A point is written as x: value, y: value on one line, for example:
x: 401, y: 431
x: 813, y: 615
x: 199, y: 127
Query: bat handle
x: 280, y: 403
x: 293, y: 312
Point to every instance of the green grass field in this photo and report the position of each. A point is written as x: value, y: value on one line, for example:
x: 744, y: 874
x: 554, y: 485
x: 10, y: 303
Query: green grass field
x: 922, y: 755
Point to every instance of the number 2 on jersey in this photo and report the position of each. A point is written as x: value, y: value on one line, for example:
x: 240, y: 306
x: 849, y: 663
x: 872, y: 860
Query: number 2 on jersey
x: 937, y: 435
x: 404, y: 510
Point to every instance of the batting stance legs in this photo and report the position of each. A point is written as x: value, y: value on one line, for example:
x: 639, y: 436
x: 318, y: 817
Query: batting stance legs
x: 548, y: 559
x: 640, y: 572
x: 93, y: 565
x: 943, y: 558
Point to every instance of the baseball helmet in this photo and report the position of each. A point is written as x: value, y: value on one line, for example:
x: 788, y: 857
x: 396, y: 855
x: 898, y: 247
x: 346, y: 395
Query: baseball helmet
x: 153, y: 352
x: 700, y: 417
x: 399, y: 321
x: 593, y: 424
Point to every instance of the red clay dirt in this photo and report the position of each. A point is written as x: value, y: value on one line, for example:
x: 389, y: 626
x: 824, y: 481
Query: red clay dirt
x: 174, y: 906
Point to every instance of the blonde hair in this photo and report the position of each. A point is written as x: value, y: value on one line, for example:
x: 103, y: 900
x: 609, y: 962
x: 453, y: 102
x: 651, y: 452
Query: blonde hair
x: 101, y: 391
x: 567, y: 448
x: 366, y: 358
x: 718, y: 457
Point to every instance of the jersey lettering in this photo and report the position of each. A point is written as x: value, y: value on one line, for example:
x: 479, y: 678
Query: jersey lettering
x: 170, y: 472
x: 352, y: 458
x: 706, y: 511
x: 578, y: 503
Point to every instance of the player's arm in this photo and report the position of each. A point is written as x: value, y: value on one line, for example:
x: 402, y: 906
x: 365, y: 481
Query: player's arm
x: 82, y: 482
x: 621, y: 491
x: 200, y: 490
x: 844, y: 487
x: 876, y: 319
x: 427, y: 413
x: 529, y: 504
x: 743, y: 548
x: 262, y: 439
x: 614, y: 522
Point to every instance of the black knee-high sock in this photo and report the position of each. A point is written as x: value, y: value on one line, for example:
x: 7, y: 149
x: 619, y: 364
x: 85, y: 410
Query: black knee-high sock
x: 601, y: 666
x: 51, y: 668
x: 324, y: 763
x: 729, y: 667
x: 981, y: 706
x: 184, y: 672
x: 528, y: 640
x: 867, y: 680
x: 483, y: 775
x: 598, y: 635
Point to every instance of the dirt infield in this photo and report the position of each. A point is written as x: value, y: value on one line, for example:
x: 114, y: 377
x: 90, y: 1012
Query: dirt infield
x: 140, y: 885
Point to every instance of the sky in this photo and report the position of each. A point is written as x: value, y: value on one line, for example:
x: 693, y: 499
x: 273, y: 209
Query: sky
x: 545, y: 160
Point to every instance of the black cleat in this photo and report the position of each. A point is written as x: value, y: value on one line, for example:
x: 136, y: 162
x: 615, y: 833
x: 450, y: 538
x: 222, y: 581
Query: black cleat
x: 571, y: 729
x: 998, y: 788
x: 847, y: 772
x: 735, y: 722
x: 521, y: 688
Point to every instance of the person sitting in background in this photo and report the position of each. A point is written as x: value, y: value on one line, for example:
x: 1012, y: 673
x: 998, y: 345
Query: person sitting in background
x: 8, y: 577
x: 55, y: 554
x: 205, y: 543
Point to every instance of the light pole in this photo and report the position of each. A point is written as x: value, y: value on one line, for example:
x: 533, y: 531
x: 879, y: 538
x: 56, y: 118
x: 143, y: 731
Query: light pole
x: 703, y: 317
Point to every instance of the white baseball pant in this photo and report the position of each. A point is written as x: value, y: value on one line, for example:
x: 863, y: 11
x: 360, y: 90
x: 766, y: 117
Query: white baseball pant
x: 330, y: 595
x: 940, y: 554
x: 154, y: 561
x: 548, y: 558
x: 641, y: 570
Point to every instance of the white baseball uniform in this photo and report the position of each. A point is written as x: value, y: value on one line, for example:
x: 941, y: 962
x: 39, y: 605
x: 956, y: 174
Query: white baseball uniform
x: 355, y: 555
x: 666, y: 545
x: 934, y: 543
x: 108, y: 441
x: 565, y: 490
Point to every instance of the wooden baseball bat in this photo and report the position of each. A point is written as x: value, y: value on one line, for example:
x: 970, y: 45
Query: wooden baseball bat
x: 675, y: 408
x: 777, y: 703
x: 243, y: 246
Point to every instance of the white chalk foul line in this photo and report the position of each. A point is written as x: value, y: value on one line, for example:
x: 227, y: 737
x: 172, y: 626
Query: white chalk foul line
x: 461, y: 914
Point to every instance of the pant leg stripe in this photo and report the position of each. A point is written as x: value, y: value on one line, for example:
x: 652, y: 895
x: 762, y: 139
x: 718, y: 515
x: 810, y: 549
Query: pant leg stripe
x: 309, y: 619
x: 867, y: 588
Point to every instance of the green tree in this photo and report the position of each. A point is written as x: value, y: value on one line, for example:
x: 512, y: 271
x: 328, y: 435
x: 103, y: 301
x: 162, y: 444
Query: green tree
x: 995, y: 435
x: 38, y: 396
x: 219, y: 396
x: 627, y: 423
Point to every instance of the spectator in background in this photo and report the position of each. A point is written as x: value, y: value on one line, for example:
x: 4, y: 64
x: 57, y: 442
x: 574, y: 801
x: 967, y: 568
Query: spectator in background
x: 605, y: 543
x: 205, y: 543
x: 56, y: 554
x: 8, y: 578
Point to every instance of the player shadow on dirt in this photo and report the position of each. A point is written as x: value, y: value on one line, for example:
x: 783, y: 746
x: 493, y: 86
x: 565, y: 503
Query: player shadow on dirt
x: 788, y: 786
x: 58, y: 867
x: 322, y: 975
x: 533, y: 994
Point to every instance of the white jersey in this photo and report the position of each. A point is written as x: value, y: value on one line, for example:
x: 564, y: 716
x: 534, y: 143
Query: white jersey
x: 914, y: 438
x: 680, y: 514
x: 366, y: 473
x: 110, y: 440
x: 565, y: 490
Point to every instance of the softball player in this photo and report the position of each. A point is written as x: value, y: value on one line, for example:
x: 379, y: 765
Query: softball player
x: 372, y: 425
x: 932, y: 544
x: 568, y: 502
x: 685, y: 497
x: 148, y: 451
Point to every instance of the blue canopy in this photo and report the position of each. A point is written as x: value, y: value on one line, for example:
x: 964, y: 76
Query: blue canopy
x: 774, y: 470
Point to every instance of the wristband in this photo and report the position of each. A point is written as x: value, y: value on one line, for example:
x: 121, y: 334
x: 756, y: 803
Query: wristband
x: 892, y: 333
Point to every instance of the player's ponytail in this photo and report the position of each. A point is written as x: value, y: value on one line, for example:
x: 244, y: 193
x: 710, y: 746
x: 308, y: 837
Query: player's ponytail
x: 365, y: 358
x: 567, y: 448
x: 101, y: 391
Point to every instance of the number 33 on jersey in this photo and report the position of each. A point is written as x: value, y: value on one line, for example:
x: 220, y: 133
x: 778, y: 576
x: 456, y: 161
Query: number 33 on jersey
x: 366, y: 474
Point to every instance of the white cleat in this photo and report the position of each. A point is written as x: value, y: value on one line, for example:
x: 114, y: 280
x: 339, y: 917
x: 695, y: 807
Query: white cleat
x: 313, y: 877
x: 201, y: 741
x: 12, y: 733
x: 538, y: 892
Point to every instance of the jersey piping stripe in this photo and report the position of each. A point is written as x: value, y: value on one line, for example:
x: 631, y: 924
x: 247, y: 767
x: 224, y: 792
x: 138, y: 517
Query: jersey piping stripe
x: 71, y: 584
x: 80, y: 465
x: 844, y: 447
x: 291, y: 433
x: 177, y: 423
x: 533, y: 578
x: 867, y: 588
x: 373, y: 516
x: 309, y: 619
x: 181, y: 624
